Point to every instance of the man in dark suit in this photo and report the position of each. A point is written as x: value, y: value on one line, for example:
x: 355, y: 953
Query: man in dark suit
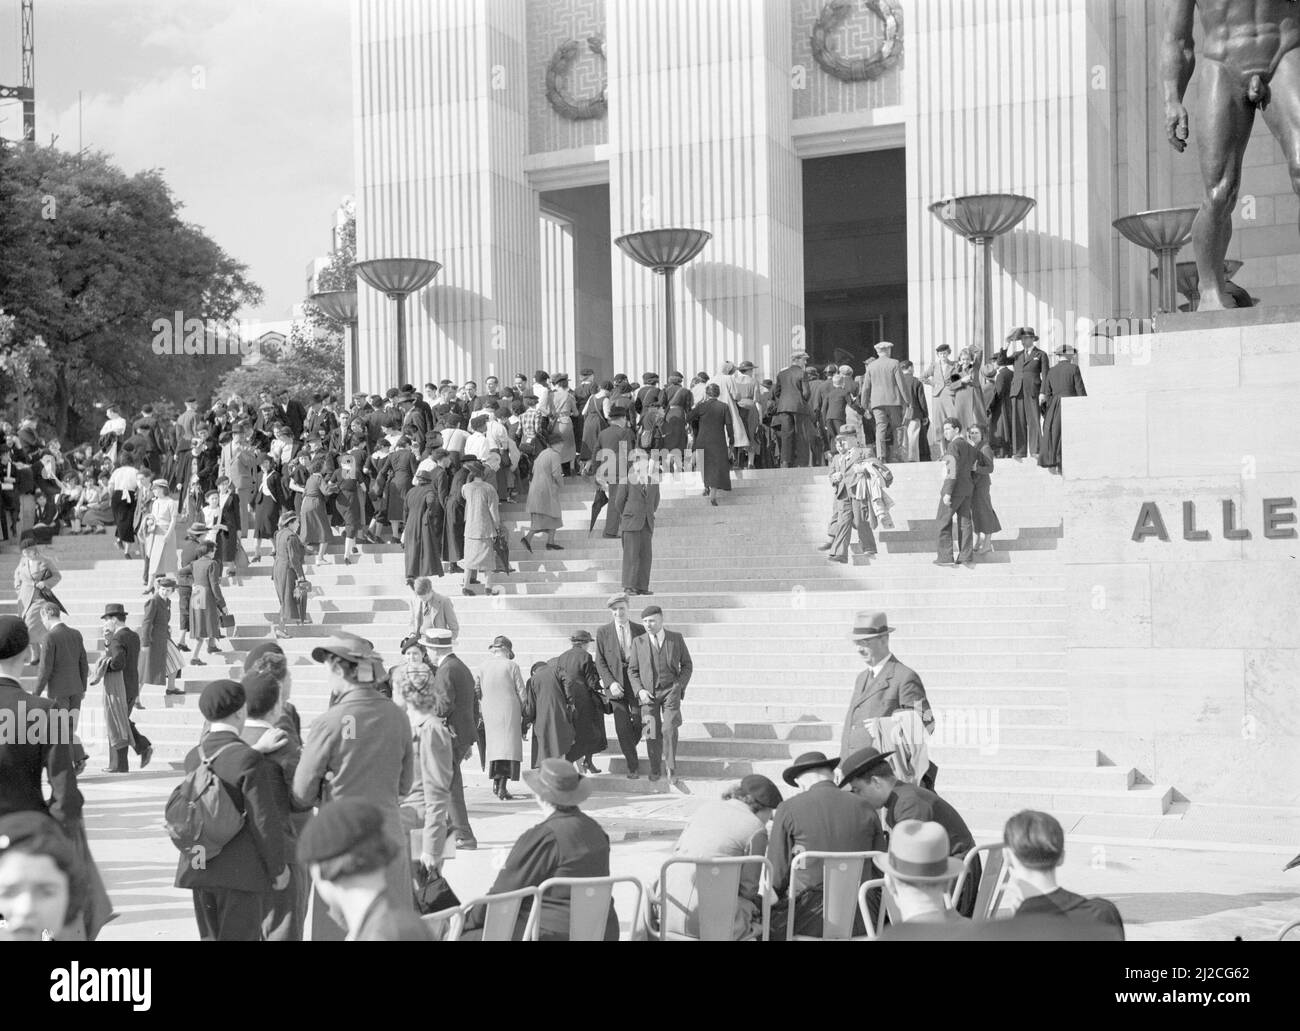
x: 884, y: 688
x: 233, y: 888
x: 790, y: 398
x: 955, y: 497
x: 869, y: 775
x: 821, y: 818
x: 291, y: 411
x: 1027, y: 397
x: 613, y: 649
x: 637, y: 526
x: 24, y: 759
x: 614, y: 447
x: 659, y: 670
x: 122, y: 655
x: 454, y: 678
x: 64, y: 668
x: 914, y: 391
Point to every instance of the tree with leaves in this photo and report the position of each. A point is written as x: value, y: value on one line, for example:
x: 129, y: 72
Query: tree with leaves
x: 90, y: 257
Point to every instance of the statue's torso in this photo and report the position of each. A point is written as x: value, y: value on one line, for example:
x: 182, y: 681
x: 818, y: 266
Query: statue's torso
x: 1249, y: 36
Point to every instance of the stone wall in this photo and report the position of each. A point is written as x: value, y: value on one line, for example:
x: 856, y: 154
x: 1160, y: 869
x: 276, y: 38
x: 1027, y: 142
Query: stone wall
x: 1184, y: 653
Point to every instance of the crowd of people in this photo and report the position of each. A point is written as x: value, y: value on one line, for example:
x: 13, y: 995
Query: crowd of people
x: 194, y: 498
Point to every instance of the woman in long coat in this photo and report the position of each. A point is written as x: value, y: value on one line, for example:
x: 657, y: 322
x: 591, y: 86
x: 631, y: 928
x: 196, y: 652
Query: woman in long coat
x: 316, y: 530
x: 564, y: 411
x: 266, y: 506
x: 984, y: 518
x: 966, y: 396
x: 482, y: 524
x: 288, y: 552
x: 294, y: 483
x: 453, y: 518
x: 712, y: 422
x: 1062, y: 380
x: 155, y: 635
x: 422, y: 539
x: 544, y: 511
x: 34, y: 570
x: 674, y: 441
x: 553, y: 733
x: 593, y: 422
x: 500, y: 688
x: 577, y: 672
x: 207, y: 603
x: 398, y: 478
x: 160, y: 534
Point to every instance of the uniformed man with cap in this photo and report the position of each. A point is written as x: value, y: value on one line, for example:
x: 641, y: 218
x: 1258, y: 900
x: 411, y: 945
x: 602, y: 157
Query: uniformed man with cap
x: 345, y: 847
x: 232, y: 889
x: 613, y: 649
x: 869, y: 775
x: 820, y: 818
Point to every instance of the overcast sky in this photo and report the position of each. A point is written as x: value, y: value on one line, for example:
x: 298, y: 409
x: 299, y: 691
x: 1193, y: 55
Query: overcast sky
x: 246, y: 106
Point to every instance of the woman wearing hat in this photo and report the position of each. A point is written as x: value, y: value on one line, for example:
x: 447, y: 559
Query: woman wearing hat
x: 268, y: 498
x: 1063, y: 380
x: 348, y: 504
x: 159, y: 540
x: 734, y: 825
x: 982, y: 514
x: 207, y: 603
x: 159, y: 657
x: 581, y: 682
x: 288, y: 553
x: 397, y: 479
x: 567, y: 843
x: 482, y: 526
x: 594, y: 422
x: 35, y: 577
x: 564, y: 409
x: 499, y: 685
x: 316, y: 529
x: 711, y: 423
x: 545, y: 512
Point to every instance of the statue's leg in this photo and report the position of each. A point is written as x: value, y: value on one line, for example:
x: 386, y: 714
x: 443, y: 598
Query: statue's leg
x: 1283, y: 113
x: 1222, y: 131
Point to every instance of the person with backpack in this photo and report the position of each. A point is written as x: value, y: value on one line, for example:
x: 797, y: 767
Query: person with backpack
x: 223, y: 819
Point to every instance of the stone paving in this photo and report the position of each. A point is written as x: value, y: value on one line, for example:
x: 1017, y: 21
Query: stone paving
x: 1164, y: 893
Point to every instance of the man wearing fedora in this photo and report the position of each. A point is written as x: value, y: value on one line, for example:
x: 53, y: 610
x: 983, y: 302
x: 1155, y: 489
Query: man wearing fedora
x: 659, y: 670
x: 820, y: 818
x: 884, y: 688
x: 454, y: 679
x: 848, y: 476
x: 885, y: 396
x: 918, y: 872
x: 1028, y: 371
x: 637, y: 525
x: 613, y: 650
x: 869, y: 775
x: 120, y: 670
x: 581, y: 681
x: 1064, y: 380
x: 790, y: 397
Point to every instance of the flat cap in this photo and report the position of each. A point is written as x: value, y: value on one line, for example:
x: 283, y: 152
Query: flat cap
x: 221, y: 698
x: 339, y: 827
x: 651, y: 610
x: 615, y: 600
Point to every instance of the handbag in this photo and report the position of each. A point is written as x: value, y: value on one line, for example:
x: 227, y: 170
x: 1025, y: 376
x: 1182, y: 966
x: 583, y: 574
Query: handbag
x: 432, y: 892
x: 227, y: 620
x: 303, y: 588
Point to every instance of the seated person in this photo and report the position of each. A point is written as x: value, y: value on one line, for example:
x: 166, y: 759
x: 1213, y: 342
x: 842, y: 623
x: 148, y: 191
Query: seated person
x: 735, y: 825
x: 567, y: 843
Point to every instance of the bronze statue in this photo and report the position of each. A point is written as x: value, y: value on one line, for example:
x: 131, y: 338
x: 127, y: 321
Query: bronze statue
x: 1250, y: 59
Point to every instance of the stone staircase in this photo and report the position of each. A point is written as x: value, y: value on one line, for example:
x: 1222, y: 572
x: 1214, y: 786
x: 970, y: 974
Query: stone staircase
x: 766, y: 618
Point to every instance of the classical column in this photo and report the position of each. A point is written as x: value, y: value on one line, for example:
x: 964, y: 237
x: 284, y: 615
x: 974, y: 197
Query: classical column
x: 700, y: 111
x: 441, y: 101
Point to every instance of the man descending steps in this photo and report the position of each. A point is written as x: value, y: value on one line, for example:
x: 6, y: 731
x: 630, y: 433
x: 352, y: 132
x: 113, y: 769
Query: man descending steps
x: 660, y: 669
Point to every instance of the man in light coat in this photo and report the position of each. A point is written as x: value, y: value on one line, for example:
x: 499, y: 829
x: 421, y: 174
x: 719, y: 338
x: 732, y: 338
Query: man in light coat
x: 885, y: 396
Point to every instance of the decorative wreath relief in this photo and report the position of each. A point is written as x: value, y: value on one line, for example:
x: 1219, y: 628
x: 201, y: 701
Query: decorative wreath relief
x: 855, y: 69
x: 557, y: 72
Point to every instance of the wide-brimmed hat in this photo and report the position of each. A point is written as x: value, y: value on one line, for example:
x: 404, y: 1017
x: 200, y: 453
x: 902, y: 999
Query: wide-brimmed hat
x: 287, y: 518
x: 557, y: 782
x: 198, y: 528
x: 1067, y: 349
x: 918, y: 853
x: 114, y: 610
x: 164, y: 581
x: 807, y: 761
x: 345, y: 646
x: 861, y: 762
x: 1022, y: 333
x: 746, y: 366
x: 870, y: 624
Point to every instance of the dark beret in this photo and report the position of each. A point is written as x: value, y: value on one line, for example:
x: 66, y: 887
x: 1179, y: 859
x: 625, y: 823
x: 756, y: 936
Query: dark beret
x: 221, y: 698
x: 38, y: 834
x: 13, y: 637
x: 337, y: 828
